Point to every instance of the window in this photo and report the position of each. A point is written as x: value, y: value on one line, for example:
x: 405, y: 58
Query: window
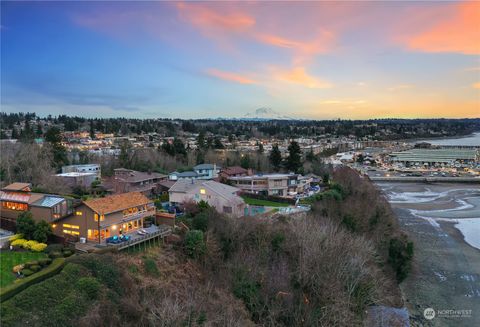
x: 71, y: 232
x: 15, y: 206
x: 102, y: 217
x: 203, y: 191
x: 78, y: 213
x: 227, y: 209
x: 71, y: 226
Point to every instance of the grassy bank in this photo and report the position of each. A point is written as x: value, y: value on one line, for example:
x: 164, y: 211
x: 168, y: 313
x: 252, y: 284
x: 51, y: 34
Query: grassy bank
x: 9, y: 259
x: 266, y: 203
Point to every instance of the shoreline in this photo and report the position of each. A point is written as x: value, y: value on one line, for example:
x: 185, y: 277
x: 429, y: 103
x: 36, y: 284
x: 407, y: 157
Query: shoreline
x: 439, y: 138
x: 446, y: 268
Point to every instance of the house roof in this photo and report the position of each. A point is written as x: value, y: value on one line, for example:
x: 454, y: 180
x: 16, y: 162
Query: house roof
x: 18, y: 187
x: 206, y: 166
x: 48, y: 201
x: 166, y: 183
x: 138, y: 176
x: 235, y: 170
x: 13, y: 196
x: 114, y: 203
x: 223, y: 190
x: 187, y: 174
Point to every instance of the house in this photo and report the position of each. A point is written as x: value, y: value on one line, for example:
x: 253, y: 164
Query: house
x: 97, y: 219
x: 128, y: 180
x: 175, y: 176
x: 234, y: 171
x: 203, y: 171
x: 271, y: 184
x: 207, y: 171
x: 77, y: 179
x: 17, y: 198
x: 89, y: 168
x: 224, y: 198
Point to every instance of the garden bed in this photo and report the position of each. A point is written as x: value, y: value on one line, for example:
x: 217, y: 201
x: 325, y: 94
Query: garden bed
x: 9, y: 259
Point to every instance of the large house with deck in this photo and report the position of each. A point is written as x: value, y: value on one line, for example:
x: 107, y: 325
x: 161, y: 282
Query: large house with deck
x: 97, y: 219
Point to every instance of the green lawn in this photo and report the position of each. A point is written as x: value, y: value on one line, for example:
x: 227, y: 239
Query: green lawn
x: 257, y: 202
x: 9, y: 259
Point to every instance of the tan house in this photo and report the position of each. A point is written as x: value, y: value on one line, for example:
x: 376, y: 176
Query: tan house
x: 17, y: 198
x: 97, y: 219
x: 224, y: 198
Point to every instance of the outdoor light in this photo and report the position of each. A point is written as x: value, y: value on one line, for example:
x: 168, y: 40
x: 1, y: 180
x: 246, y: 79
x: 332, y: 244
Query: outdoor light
x: 114, y: 227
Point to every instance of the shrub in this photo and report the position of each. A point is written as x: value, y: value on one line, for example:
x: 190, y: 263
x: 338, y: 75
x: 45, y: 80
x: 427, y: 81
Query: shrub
x: 200, y: 221
x: 27, y: 272
x: 194, y: 243
x: 21, y: 284
x: 42, y: 231
x: 90, y: 286
x: 19, y: 242
x: 400, y: 254
x: 55, y: 254
x: 150, y: 267
x: 26, y: 224
x: 248, y: 290
x: 31, y: 263
x: 28, y: 244
x: 277, y: 241
x: 15, y: 237
x: 35, y: 268
x: 54, y: 247
x: 44, y: 262
x: 39, y: 247
x: 67, y: 253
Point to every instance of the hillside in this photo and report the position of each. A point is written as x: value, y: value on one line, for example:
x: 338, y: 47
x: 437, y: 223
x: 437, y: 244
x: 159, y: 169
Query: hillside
x: 324, y: 268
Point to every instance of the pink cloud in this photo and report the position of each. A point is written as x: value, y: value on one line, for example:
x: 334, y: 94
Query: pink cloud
x: 458, y: 31
x: 229, y: 76
x: 298, y: 75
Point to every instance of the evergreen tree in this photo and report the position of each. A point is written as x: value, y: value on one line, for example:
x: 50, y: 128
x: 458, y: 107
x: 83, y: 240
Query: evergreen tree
x: 294, y: 160
x: 179, y: 147
x: 245, y: 162
x: 260, y: 147
x: 275, y: 157
x: 54, y: 137
x: 201, y: 140
x: 92, y: 130
x: 310, y: 156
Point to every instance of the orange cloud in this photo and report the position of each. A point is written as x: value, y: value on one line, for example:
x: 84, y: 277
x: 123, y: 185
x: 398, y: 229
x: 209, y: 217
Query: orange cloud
x: 458, y: 33
x: 298, y: 75
x: 304, y: 50
x: 229, y: 76
x: 207, y: 18
x: 476, y: 85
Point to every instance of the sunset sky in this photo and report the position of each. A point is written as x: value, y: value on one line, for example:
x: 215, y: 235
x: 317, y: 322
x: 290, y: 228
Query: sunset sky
x: 315, y: 60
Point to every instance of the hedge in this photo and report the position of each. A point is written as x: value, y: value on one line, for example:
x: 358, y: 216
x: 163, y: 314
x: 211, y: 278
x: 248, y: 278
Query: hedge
x: 15, y: 237
x: 269, y: 197
x: 13, y: 289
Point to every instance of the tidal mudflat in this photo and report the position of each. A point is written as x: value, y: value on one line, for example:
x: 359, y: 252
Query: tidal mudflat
x: 443, y: 220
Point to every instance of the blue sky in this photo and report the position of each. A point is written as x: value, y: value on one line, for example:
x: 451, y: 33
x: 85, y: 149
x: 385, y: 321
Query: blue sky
x: 210, y: 59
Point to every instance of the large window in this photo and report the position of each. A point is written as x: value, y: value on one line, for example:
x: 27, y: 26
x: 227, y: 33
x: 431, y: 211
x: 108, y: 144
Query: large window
x: 102, y: 217
x: 15, y: 206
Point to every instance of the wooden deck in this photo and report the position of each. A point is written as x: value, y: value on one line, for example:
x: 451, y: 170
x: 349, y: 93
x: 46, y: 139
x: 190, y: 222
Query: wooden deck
x: 136, y: 241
